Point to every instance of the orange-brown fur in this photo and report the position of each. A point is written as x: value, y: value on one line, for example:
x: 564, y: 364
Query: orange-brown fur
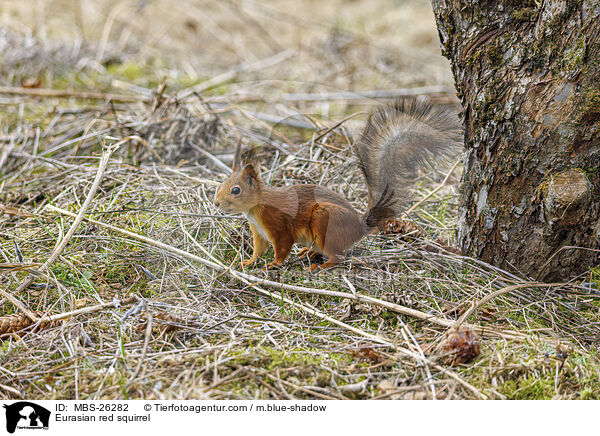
x: 310, y: 215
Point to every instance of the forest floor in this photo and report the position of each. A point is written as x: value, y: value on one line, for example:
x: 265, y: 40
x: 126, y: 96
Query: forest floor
x: 146, y: 300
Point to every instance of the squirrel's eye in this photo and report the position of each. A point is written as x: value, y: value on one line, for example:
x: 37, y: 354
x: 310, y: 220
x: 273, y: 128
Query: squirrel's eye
x: 235, y: 190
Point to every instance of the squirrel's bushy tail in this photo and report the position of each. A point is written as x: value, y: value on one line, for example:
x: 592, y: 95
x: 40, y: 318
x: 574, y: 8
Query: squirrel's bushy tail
x: 398, y: 140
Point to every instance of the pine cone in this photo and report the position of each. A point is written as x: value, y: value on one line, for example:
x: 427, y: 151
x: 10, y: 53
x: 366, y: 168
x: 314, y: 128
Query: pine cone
x: 18, y: 321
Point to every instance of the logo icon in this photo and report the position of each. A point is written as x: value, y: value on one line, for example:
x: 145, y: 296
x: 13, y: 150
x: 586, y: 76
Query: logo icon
x: 26, y: 415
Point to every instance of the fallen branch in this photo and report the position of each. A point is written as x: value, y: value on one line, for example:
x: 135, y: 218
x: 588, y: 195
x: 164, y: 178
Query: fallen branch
x: 232, y: 74
x: 59, y: 93
x: 86, y: 310
x: 375, y: 94
x: 11, y: 390
x: 499, y: 292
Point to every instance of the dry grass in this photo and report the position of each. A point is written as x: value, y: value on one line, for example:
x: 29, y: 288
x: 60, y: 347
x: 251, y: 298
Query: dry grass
x: 195, y: 331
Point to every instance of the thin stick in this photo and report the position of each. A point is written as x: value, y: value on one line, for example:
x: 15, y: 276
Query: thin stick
x: 422, y: 200
x: 112, y: 16
x: 84, y: 207
x: 231, y: 74
x: 335, y: 126
x: 18, y: 266
x: 11, y: 390
x: 6, y: 152
x: 86, y: 310
x: 212, y: 158
x: 22, y: 307
x: 59, y: 93
x: 192, y: 178
x: 374, y: 94
x: 499, y: 292
x: 147, y: 336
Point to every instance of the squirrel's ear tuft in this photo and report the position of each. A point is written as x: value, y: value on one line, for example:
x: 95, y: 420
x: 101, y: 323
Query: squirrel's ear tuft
x: 249, y: 156
x: 250, y: 173
x: 237, y: 156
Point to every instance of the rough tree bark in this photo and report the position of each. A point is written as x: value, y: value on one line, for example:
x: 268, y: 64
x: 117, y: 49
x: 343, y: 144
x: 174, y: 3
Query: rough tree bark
x: 528, y: 76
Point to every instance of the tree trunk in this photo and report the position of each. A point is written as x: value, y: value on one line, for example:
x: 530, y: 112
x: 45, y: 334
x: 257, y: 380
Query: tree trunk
x: 528, y: 76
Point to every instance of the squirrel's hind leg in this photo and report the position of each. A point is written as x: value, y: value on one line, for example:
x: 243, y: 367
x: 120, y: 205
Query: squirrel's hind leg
x: 331, y: 261
x: 336, y: 229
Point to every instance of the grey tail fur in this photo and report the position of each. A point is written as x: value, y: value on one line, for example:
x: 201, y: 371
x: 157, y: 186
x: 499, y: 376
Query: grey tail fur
x: 399, y: 139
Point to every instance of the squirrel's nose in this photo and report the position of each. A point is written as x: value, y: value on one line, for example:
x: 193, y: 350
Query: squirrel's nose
x: 217, y: 203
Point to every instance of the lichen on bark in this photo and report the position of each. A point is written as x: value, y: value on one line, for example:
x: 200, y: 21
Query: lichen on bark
x: 528, y: 75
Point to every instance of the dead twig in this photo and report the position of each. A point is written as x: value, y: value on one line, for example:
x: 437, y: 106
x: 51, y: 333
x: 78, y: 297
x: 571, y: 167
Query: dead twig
x: 429, y: 194
x: 59, y: 93
x: 442, y: 91
x: 499, y: 292
x: 147, y: 336
x: 231, y: 74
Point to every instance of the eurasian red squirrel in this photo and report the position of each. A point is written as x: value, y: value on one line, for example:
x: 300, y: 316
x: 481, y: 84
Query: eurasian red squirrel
x: 397, y: 140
